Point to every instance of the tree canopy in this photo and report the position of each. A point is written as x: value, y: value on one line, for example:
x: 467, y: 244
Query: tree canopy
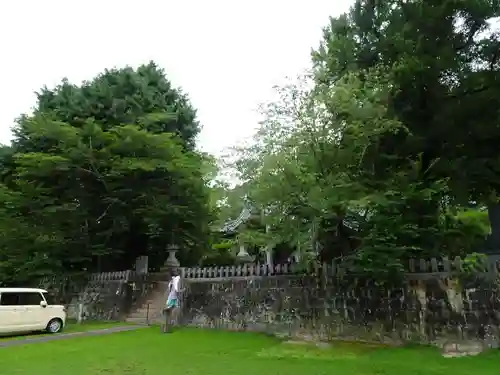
x: 385, y: 151
x: 101, y: 173
x: 379, y: 155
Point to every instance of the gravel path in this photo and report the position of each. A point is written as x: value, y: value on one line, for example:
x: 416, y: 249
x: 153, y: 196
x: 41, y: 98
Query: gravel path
x: 62, y: 336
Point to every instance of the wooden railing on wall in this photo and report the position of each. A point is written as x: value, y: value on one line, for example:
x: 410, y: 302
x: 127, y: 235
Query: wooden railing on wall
x: 416, y: 268
x: 112, y: 276
x: 239, y: 271
x: 424, y: 267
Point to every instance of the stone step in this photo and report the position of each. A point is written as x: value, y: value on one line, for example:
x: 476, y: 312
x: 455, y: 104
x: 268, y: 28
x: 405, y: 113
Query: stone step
x: 151, y: 309
x: 144, y: 314
x: 156, y: 301
x: 137, y: 321
x: 156, y: 320
x: 157, y: 306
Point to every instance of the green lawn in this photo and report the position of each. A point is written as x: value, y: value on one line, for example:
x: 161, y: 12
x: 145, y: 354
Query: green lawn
x: 199, y: 352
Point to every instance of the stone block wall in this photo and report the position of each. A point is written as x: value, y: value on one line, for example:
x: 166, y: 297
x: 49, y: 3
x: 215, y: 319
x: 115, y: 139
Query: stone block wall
x: 108, y: 296
x: 433, y: 304
x: 425, y: 308
x: 98, y: 297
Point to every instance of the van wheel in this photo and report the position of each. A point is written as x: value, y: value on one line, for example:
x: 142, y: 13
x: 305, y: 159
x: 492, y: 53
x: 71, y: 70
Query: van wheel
x: 54, y: 326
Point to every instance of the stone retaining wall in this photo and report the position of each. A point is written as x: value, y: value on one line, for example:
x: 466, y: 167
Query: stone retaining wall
x: 430, y: 309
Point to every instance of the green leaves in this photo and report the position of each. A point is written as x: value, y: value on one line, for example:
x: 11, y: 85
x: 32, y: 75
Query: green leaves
x: 368, y: 160
x: 102, y: 173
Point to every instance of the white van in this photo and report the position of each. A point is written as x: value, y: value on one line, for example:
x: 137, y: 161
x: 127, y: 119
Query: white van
x: 28, y: 310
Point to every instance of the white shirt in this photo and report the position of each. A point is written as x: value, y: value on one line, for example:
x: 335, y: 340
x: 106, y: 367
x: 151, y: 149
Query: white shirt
x: 173, y: 287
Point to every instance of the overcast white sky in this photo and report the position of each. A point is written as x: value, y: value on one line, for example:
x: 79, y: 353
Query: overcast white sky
x: 225, y: 54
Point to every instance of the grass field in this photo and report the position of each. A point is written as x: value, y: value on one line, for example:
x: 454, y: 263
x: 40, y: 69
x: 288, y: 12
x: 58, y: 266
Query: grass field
x: 199, y: 352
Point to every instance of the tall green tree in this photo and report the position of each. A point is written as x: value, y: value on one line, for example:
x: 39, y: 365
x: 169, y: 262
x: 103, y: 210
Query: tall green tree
x: 108, y: 171
x: 445, y: 63
x: 386, y: 143
x: 305, y: 170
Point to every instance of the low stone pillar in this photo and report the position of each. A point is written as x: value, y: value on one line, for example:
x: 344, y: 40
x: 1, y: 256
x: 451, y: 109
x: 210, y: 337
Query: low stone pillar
x: 269, y: 256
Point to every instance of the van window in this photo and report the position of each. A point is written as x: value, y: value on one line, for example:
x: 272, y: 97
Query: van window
x: 9, y: 299
x: 20, y: 299
x: 49, y: 298
x: 30, y: 298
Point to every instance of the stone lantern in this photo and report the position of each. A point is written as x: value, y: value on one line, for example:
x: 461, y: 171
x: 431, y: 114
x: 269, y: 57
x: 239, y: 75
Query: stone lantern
x: 243, y: 255
x: 172, y: 261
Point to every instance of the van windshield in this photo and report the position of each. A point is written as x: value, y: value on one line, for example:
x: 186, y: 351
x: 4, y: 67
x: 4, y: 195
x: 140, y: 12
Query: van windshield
x: 49, y: 298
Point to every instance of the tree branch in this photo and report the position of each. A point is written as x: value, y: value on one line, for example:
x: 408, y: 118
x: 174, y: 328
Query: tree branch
x: 469, y: 92
x: 495, y: 58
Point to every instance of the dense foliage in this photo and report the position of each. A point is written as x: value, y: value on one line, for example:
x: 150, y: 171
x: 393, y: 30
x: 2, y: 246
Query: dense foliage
x: 386, y: 151
x: 101, y: 173
x: 389, y: 149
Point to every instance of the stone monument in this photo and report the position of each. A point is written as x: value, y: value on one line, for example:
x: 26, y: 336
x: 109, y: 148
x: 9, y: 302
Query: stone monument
x: 243, y: 256
x: 172, y: 261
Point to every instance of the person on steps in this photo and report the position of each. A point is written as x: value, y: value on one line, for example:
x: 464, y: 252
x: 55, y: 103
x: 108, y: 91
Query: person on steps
x: 172, y: 304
